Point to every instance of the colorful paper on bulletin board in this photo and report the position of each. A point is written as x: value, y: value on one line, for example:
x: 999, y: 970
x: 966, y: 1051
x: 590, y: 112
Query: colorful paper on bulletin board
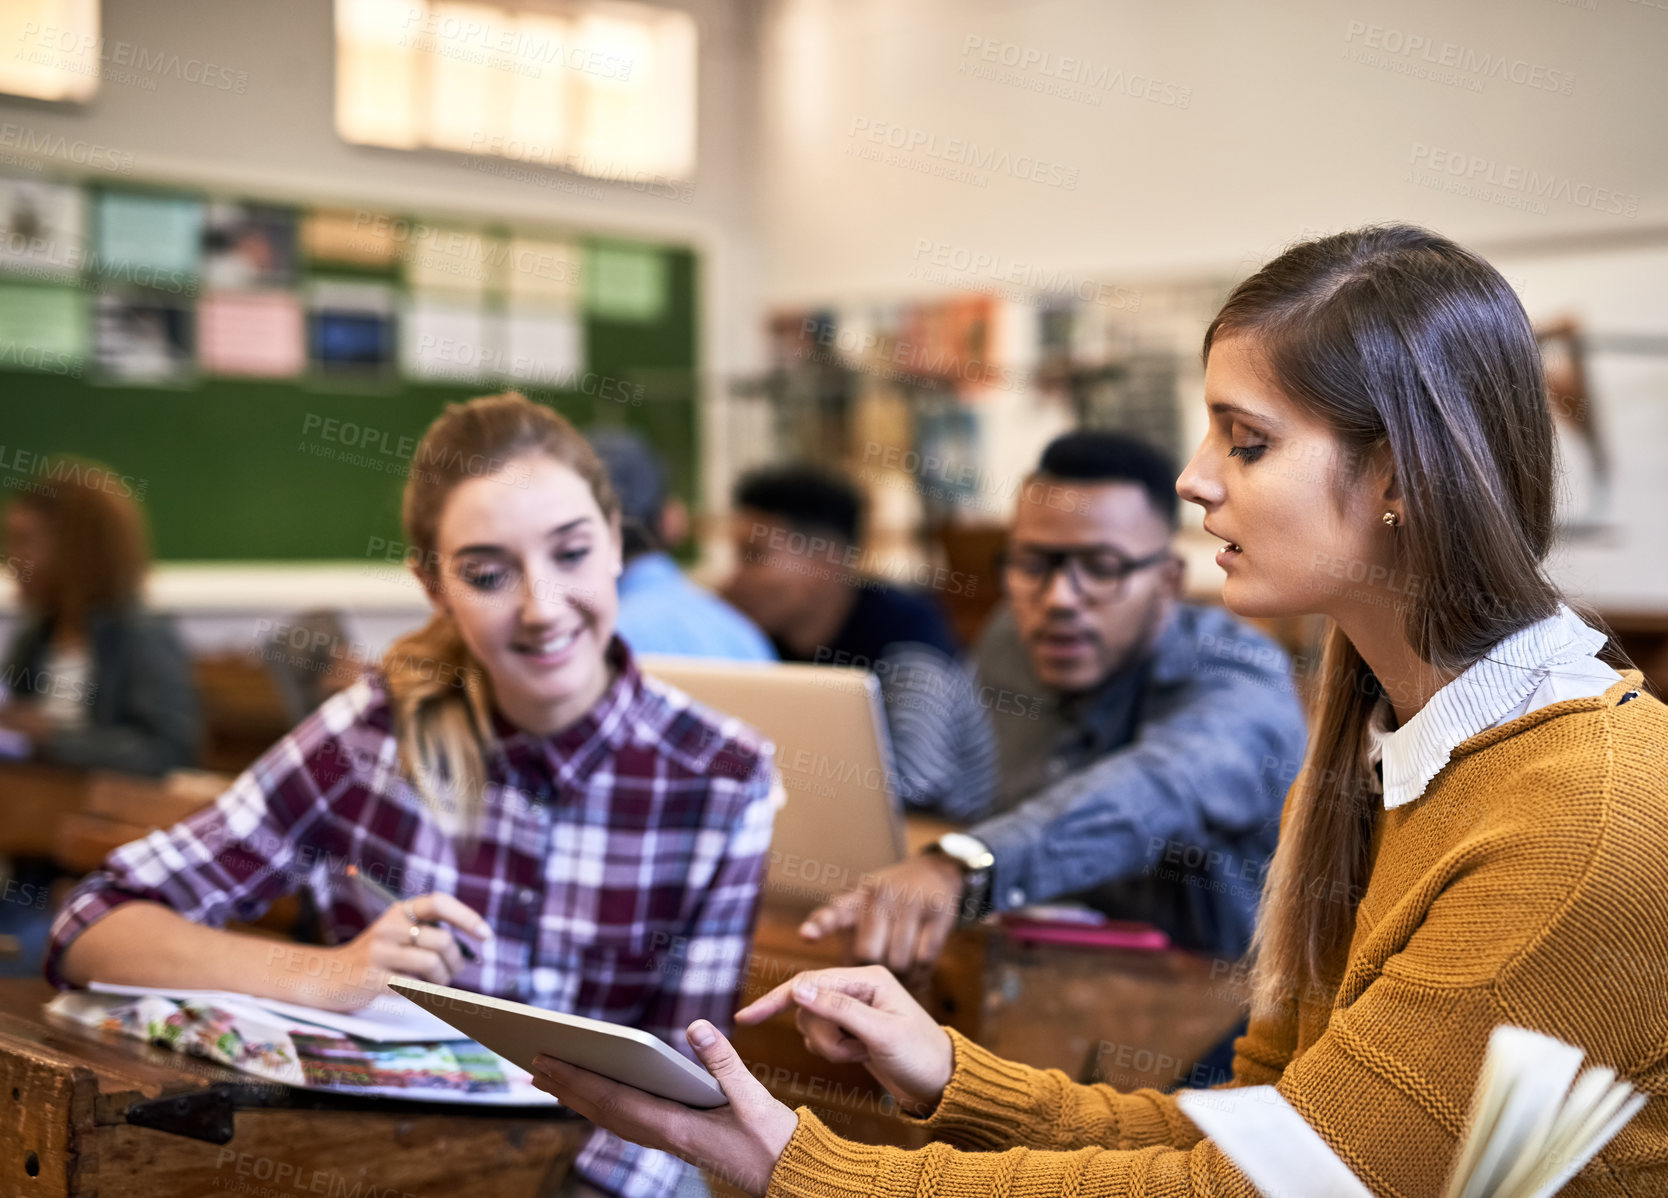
x: 953, y: 337
x: 253, y: 334
x: 544, y: 349
x: 249, y: 246
x: 625, y: 282
x: 352, y: 325
x: 441, y: 339
x: 43, y: 229
x: 355, y: 238
x: 142, y: 335
x: 350, y: 295
x: 146, y: 235
x: 42, y: 328
x: 545, y: 272
x: 457, y: 260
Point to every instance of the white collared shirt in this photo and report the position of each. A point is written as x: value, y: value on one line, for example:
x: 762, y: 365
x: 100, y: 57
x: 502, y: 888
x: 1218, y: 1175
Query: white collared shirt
x: 1547, y: 662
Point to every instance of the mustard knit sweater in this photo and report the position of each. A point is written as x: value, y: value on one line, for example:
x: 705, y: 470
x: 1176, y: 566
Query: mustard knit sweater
x: 1529, y: 885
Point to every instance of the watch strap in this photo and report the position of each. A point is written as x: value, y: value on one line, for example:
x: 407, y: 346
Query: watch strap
x: 975, y: 888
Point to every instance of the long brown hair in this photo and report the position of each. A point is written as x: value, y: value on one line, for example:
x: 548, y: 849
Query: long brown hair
x: 100, y: 549
x: 440, y: 695
x: 1402, y: 342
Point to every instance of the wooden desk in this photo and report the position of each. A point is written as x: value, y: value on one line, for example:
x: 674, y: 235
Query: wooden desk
x: 34, y: 801
x: 83, y: 1114
x: 117, y: 808
x: 75, y: 817
x: 1131, y: 1019
x: 243, y: 711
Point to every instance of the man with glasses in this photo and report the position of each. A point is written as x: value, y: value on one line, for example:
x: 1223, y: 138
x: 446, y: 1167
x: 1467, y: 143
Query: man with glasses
x: 1144, y: 744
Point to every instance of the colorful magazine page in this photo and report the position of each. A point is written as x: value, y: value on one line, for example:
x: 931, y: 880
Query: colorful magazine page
x: 389, y: 1018
x: 441, y: 1070
x: 236, y: 1031
x: 238, y: 1039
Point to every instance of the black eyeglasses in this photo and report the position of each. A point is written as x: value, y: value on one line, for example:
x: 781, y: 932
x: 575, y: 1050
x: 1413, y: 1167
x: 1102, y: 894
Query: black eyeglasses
x: 1098, y: 574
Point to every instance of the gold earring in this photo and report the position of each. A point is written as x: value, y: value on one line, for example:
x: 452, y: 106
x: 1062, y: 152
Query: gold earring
x: 1392, y: 519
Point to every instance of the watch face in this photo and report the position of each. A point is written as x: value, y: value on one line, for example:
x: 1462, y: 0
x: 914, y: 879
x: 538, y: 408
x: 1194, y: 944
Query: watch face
x: 966, y: 849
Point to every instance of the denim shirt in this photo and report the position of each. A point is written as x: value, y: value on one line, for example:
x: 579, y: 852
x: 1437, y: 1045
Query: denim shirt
x: 662, y: 611
x: 1156, y: 797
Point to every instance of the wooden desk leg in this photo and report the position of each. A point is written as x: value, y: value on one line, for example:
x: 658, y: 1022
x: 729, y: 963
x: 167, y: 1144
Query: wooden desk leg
x: 50, y: 1117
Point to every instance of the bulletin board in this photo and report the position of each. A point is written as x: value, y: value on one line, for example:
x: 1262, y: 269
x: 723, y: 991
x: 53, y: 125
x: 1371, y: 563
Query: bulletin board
x: 240, y: 450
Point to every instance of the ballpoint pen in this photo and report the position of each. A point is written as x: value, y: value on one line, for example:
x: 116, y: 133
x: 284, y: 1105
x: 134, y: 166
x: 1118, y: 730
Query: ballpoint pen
x: 372, y: 886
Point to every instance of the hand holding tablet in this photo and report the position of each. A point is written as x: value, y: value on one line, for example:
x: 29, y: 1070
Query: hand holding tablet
x: 518, y: 1033
x: 720, y: 1119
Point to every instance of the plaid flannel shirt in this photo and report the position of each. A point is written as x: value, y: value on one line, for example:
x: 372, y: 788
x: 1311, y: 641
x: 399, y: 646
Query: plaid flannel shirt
x: 618, y: 862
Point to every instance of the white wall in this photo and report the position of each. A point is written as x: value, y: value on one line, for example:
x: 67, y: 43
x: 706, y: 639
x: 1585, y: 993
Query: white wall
x: 1621, y: 298
x: 1283, y: 130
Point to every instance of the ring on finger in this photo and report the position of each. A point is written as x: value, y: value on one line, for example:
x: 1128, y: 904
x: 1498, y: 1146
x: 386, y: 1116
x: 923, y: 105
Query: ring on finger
x: 411, y: 912
x: 416, y: 931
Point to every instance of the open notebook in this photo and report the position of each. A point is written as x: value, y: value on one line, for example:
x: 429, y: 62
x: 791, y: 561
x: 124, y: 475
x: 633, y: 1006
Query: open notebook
x: 1534, y: 1124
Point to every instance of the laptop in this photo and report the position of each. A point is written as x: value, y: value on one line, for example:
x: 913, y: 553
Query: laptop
x: 842, y: 819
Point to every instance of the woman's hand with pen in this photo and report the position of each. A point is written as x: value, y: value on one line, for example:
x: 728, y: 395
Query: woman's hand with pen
x: 412, y: 937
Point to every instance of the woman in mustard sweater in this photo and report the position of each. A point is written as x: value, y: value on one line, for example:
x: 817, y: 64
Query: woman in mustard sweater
x: 1479, y: 834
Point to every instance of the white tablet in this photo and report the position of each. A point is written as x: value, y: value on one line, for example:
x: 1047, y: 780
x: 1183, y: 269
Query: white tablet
x: 518, y: 1033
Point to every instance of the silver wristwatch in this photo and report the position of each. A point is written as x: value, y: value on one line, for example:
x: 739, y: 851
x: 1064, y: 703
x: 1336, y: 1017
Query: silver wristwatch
x: 978, y: 864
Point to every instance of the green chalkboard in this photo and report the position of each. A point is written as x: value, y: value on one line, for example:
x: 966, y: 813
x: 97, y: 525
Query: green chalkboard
x: 243, y: 470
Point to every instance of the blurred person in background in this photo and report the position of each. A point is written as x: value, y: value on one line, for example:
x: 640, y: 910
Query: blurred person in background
x: 661, y: 610
x: 798, y: 532
x: 1144, y: 743
x: 93, y: 679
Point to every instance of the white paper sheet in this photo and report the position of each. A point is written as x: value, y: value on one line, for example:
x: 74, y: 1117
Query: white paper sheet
x: 1271, y: 1143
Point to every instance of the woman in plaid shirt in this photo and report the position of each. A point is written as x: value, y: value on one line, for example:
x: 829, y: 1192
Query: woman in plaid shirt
x: 597, y: 835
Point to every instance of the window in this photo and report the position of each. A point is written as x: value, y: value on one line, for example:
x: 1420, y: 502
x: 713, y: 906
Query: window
x: 601, y: 89
x: 58, y: 51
